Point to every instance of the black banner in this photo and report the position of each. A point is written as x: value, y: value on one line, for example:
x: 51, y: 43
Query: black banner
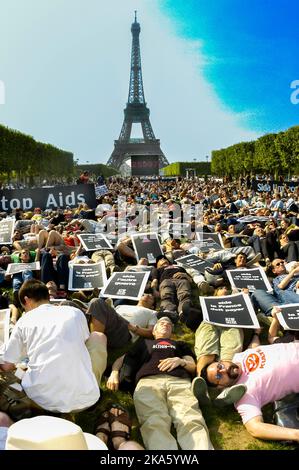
x: 251, y: 279
x: 47, y: 198
x: 6, y: 231
x: 288, y: 316
x: 229, y: 311
x: 147, y: 245
x: 269, y: 186
x: 125, y: 285
x: 209, y: 241
x: 194, y: 262
x: 87, y: 276
x: 94, y: 241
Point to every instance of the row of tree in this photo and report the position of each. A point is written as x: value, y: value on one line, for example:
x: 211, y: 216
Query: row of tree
x: 276, y: 154
x: 181, y: 168
x: 22, y: 156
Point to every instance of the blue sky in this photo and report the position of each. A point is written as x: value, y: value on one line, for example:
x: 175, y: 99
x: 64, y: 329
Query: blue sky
x: 215, y: 72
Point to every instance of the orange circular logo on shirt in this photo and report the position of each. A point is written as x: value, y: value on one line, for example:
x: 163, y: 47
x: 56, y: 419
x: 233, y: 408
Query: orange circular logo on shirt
x: 252, y: 362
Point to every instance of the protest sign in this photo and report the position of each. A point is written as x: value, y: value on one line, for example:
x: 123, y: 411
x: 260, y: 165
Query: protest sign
x: 209, y: 241
x: 6, y: 231
x: 288, y: 317
x: 94, y: 241
x: 125, y: 285
x: 101, y: 190
x: 251, y: 279
x: 194, y: 262
x: 87, y: 276
x: 14, y: 268
x: 147, y: 245
x: 230, y: 311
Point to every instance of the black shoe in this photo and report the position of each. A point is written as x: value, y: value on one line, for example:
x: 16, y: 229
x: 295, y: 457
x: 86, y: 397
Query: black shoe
x: 191, y: 316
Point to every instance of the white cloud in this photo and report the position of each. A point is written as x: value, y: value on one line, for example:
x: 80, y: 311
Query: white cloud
x: 67, y: 74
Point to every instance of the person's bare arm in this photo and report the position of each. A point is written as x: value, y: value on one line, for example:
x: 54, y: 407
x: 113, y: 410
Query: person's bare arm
x: 170, y: 363
x: 37, y: 254
x: 257, y: 428
x: 137, y: 330
x: 113, y: 380
x: 7, y: 366
x: 275, y: 326
x: 285, y: 282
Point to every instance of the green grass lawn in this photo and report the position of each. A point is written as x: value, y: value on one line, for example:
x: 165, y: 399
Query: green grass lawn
x: 226, y: 429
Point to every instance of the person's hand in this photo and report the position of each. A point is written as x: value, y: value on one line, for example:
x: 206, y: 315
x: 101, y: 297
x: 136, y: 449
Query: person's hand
x: 113, y: 381
x: 245, y: 290
x: 275, y: 310
x: 217, y: 266
x: 180, y: 276
x: 169, y: 364
x: 295, y: 270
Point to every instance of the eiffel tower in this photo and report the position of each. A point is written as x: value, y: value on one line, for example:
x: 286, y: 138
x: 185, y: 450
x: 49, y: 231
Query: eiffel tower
x: 148, y: 148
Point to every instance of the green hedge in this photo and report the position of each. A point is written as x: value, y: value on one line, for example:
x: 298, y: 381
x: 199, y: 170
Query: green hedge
x: 97, y: 169
x: 22, y: 155
x: 179, y: 168
x: 276, y: 154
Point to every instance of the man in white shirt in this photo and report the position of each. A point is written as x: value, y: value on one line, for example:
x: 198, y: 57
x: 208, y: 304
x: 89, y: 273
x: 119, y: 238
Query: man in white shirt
x: 65, y: 362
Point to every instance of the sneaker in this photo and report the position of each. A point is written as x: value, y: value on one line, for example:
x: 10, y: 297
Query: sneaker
x: 199, y: 389
x: 230, y: 395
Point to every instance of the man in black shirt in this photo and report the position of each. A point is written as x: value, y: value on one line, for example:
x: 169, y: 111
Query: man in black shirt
x: 164, y: 369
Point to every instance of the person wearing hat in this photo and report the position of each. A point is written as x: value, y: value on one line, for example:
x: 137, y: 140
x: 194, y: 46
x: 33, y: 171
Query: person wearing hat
x: 50, y: 433
x: 163, y: 369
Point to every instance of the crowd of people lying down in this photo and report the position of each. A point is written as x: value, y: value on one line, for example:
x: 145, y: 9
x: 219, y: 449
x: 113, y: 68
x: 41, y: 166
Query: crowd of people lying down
x: 66, y: 346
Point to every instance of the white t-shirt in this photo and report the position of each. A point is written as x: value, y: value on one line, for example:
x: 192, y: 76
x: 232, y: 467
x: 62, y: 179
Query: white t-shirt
x: 59, y: 375
x: 270, y: 373
x: 136, y: 315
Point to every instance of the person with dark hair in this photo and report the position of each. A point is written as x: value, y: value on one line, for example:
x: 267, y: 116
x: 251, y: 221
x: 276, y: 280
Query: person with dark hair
x: 64, y: 361
x: 211, y: 342
x: 269, y: 373
x: 83, y: 178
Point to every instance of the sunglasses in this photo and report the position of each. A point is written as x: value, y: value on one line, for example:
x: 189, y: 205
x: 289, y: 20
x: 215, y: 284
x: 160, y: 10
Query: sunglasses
x: 220, y: 370
x: 278, y: 264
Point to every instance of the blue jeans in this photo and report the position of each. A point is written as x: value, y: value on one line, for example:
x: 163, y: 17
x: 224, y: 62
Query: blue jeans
x: 287, y: 296
x: 19, y: 278
x: 60, y: 275
x: 264, y: 300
